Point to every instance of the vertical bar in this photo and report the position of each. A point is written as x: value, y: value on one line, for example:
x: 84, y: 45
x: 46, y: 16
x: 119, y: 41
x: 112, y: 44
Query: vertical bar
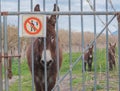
x: 6, y: 53
x: 32, y: 54
x: 1, y: 78
x: 31, y: 6
x: 94, y: 58
x: 107, y: 65
x: 57, y: 47
x: 45, y: 70
x: 119, y: 50
x: 19, y: 64
x: 82, y: 37
x: 70, y: 50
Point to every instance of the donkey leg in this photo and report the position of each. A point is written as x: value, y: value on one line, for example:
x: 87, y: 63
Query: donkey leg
x: 10, y: 67
x: 89, y: 66
x: 110, y: 65
x: 85, y: 66
x: 113, y: 63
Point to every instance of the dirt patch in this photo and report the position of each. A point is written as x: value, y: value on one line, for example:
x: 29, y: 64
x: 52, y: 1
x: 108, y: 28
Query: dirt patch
x: 11, y: 81
x: 65, y: 84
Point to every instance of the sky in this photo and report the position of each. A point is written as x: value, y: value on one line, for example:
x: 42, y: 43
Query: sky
x: 88, y: 21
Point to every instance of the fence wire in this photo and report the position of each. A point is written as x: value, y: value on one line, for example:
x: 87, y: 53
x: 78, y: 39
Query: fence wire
x: 92, y: 8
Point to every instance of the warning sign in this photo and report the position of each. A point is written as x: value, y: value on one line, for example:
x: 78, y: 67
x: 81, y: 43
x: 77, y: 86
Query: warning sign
x: 33, y: 26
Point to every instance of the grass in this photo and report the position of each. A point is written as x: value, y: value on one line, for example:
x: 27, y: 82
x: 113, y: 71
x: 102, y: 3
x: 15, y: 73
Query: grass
x: 76, y: 72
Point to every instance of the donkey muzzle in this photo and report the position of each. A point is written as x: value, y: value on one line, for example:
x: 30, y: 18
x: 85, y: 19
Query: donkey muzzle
x: 48, y: 63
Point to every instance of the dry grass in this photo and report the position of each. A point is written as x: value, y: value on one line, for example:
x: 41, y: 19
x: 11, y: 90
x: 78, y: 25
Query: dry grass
x: 88, y: 37
x: 64, y: 37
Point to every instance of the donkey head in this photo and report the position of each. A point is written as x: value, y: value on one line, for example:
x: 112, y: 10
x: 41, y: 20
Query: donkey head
x: 90, y: 51
x: 112, y: 48
x: 50, y: 40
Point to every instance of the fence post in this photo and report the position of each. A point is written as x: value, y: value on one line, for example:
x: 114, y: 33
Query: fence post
x: 118, y: 19
x: 1, y: 82
x: 6, y: 53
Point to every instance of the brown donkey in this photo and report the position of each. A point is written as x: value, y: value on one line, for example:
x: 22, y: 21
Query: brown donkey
x: 51, y: 55
x: 111, y: 55
x: 88, y: 58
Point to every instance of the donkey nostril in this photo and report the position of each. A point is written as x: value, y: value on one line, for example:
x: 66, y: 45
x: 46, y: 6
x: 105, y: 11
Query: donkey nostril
x: 50, y: 61
x: 42, y: 61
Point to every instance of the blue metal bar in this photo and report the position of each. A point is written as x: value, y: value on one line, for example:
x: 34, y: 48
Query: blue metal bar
x: 119, y: 54
x: 57, y: 48
x: 1, y: 78
x: 32, y: 54
x: 62, y: 13
x: 45, y: 65
x: 107, y: 63
x: 82, y: 37
x: 19, y: 64
x: 6, y: 53
x: 94, y: 57
x: 70, y: 49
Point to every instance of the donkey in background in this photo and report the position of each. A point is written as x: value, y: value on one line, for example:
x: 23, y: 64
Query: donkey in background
x: 88, y: 58
x: 51, y: 55
x: 111, y: 55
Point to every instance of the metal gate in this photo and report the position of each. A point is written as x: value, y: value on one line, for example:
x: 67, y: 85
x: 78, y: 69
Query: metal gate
x: 6, y: 59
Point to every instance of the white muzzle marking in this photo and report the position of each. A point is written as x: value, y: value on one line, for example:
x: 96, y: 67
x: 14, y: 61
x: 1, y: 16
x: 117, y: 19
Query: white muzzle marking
x: 48, y: 56
x: 90, y: 56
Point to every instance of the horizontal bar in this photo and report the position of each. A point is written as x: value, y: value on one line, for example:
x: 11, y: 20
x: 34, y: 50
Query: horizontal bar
x: 60, y: 13
x: 7, y: 56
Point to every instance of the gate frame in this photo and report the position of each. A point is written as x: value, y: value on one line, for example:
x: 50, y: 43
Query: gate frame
x: 69, y: 13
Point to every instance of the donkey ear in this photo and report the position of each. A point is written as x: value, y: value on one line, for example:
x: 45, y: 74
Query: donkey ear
x: 37, y: 7
x: 110, y: 44
x: 54, y: 17
x: 114, y: 44
x: 56, y: 8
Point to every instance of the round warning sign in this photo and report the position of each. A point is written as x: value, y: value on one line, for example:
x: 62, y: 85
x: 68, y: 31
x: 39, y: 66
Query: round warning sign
x: 33, y: 25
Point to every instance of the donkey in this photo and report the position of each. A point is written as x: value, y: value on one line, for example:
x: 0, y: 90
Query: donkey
x: 51, y: 55
x: 88, y: 58
x: 111, y: 55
